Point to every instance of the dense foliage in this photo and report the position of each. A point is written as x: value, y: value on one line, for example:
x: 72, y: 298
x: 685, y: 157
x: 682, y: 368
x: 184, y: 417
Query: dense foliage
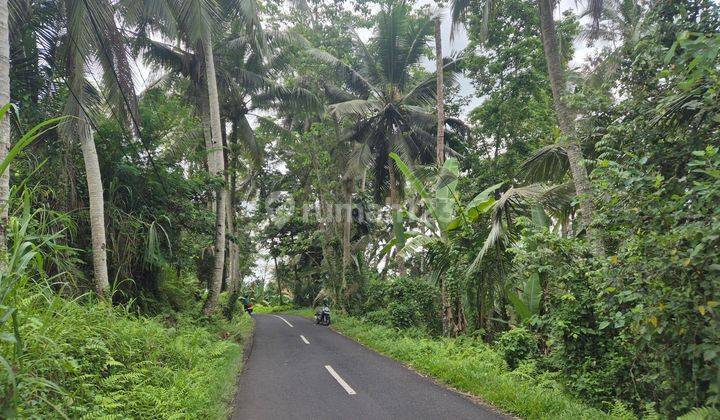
x: 562, y: 246
x: 636, y: 327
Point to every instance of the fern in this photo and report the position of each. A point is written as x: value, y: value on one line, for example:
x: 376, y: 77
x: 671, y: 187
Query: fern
x: 702, y: 413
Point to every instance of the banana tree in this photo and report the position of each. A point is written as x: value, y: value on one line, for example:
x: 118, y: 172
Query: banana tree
x: 526, y: 300
x: 443, y: 214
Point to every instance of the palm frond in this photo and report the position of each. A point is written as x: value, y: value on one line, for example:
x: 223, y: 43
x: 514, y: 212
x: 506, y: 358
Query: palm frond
x: 392, y: 26
x: 548, y: 164
x: 458, y: 126
x: 512, y: 203
x: 424, y: 93
x: 336, y: 94
x: 288, y: 38
x: 113, y: 56
x: 359, y: 160
x: 246, y: 137
x: 294, y: 99
x: 149, y: 16
x: 458, y: 12
x: 369, y: 62
x: 166, y: 56
x: 595, y: 9
x: 196, y: 18
x: 420, y: 32
x: 355, y: 81
x: 354, y: 108
x: 558, y: 199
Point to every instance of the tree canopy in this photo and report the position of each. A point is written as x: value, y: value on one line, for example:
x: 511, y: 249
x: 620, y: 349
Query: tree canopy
x: 170, y: 157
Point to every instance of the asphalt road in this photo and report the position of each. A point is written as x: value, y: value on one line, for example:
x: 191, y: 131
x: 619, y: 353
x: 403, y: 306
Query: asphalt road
x: 311, y: 372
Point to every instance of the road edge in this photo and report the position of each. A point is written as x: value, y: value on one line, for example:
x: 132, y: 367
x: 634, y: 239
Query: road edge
x: 438, y: 382
x: 442, y: 384
x: 247, y: 351
x: 247, y: 347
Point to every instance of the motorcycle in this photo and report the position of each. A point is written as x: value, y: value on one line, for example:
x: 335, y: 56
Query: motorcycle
x: 249, y: 309
x: 322, y: 316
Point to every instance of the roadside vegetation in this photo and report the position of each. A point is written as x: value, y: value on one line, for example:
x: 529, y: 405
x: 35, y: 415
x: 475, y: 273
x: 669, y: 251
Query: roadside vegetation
x: 86, y: 359
x: 566, y: 234
x: 475, y: 367
x: 538, y: 207
x: 504, y: 374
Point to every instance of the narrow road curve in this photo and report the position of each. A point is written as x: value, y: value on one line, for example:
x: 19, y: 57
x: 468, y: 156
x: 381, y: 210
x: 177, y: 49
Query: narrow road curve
x: 299, y: 370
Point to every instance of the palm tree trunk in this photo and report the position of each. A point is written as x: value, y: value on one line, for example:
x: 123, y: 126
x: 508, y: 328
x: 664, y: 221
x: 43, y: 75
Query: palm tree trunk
x: 395, y: 209
x: 207, y: 130
x: 97, y: 205
x: 234, y: 253
x: 207, y: 136
x: 566, y: 121
x: 232, y: 246
x: 277, y: 278
x: 447, y: 312
x: 70, y: 176
x: 217, y: 157
x: 4, y: 124
x: 440, y: 147
x: 348, y: 184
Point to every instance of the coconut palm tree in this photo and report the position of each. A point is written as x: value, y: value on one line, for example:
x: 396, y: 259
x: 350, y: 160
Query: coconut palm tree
x: 389, y: 109
x: 4, y: 124
x: 564, y: 114
x: 440, y: 146
x: 247, y: 73
x: 70, y: 34
x: 92, y: 34
x: 622, y: 23
x: 250, y: 66
x: 193, y: 23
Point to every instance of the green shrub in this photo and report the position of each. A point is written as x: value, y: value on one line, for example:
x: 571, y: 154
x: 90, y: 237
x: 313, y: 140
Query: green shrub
x: 646, y: 315
x: 263, y: 309
x: 516, y: 345
x: 403, y: 303
x: 379, y: 317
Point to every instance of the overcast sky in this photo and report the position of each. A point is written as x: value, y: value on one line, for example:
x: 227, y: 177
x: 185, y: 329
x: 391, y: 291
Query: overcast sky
x: 460, y: 41
x: 144, y: 76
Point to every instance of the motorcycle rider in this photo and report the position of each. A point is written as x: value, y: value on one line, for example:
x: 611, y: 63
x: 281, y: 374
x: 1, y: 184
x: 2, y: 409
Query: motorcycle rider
x: 247, y: 307
x: 320, y: 313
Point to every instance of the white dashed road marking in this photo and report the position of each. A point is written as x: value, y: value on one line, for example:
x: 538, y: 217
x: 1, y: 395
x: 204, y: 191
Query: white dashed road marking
x: 340, y: 380
x: 302, y: 337
x: 284, y: 320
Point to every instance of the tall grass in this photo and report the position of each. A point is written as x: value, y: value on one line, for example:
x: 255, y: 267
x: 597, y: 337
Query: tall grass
x: 474, y: 367
x: 90, y: 360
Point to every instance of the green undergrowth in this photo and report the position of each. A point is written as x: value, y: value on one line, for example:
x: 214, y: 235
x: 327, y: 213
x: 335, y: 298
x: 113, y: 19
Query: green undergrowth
x: 86, y: 359
x: 262, y: 309
x: 474, y: 367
